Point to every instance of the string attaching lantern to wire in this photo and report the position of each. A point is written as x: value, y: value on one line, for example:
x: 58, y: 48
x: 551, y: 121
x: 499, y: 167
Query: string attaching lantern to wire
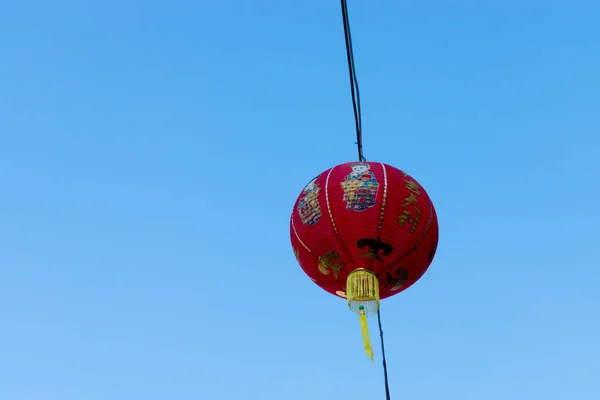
x: 365, y: 286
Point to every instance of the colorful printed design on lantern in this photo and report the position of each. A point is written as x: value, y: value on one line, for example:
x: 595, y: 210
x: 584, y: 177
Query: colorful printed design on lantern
x: 360, y: 188
x: 411, y: 216
x: 375, y: 247
x: 308, y: 208
x: 330, y: 261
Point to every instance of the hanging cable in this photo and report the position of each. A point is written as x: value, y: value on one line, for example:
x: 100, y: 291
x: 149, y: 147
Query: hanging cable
x: 358, y: 121
x: 385, y: 375
x: 353, y: 81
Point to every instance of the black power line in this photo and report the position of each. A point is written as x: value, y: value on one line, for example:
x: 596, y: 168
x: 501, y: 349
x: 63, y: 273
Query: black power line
x: 358, y: 121
x: 385, y: 375
x: 353, y: 81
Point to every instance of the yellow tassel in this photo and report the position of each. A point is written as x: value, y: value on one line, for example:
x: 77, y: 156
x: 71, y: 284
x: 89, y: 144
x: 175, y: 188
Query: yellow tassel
x: 362, y: 289
x: 364, y: 326
x: 362, y: 292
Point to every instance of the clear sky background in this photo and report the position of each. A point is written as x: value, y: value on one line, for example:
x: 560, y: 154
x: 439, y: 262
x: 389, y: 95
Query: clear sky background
x: 151, y: 153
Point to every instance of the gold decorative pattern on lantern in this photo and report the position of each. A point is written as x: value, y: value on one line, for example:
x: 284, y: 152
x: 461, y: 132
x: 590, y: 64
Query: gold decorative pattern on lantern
x: 409, y: 200
x: 413, y: 186
x: 330, y: 261
x: 397, y: 279
x: 411, y: 217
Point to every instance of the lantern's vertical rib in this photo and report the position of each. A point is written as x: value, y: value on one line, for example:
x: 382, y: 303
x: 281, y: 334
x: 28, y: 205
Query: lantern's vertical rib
x: 377, y: 229
x: 298, y: 236
x: 385, y: 186
x: 327, y: 200
x: 347, y: 254
x: 381, y: 214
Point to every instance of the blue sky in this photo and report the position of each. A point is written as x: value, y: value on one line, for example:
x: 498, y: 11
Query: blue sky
x: 151, y: 153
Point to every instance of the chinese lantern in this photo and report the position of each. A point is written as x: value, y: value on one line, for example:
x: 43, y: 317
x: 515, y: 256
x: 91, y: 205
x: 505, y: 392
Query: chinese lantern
x: 364, y: 231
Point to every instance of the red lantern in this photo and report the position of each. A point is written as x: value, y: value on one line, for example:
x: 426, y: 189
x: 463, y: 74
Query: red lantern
x: 364, y: 231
